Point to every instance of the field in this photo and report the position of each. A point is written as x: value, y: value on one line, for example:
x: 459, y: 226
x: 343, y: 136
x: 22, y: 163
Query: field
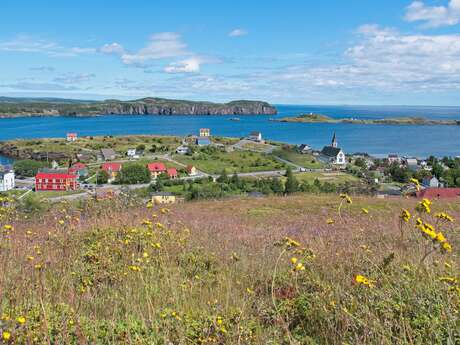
x: 281, y: 270
x: 305, y: 160
x: 332, y: 177
x: 237, y: 161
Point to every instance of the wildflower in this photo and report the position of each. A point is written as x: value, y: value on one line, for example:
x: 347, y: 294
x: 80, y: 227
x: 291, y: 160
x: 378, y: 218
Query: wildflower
x: 294, y: 261
x: 219, y: 321
x: 405, y: 215
x: 330, y: 221
x: 450, y: 280
x: 6, y: 335
x: 289, y: 242
x: 134, y: 268
x: 360, y: 279
x: 440, y: 238
x: 416, y: 183
x: 299, y: 267
x: 21, y: 320
x: 38, y: 267
x: 8, y: 227
x: 419, y: 222
x: 346, y: 197
x: 424, y: 206
x: 164, y: 211
x: 61, y: 222
x: 365, y: 210
x: 30, y: 258
x: 145, y: 255
x: 446, y: 247
x: 149, y: 204
x: 250, y: 291
x: 444, y: 216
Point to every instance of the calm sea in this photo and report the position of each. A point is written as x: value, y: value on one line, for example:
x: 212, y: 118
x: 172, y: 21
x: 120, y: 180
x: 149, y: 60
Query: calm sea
x: 420, y: 141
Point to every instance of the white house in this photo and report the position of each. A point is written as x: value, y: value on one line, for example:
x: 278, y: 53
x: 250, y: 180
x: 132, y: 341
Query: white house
x: 431, y: 182
x: 255, y: 136
x: 304, y: 148
x: 333, y: 154
x: 131, y: 153
x: 71, y: 137
x: 7, y: 180
x: 393, y: 158
x: 182, y: 150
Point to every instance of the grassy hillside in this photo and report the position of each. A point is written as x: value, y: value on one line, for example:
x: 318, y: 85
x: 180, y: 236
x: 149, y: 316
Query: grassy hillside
x: 296, y: 270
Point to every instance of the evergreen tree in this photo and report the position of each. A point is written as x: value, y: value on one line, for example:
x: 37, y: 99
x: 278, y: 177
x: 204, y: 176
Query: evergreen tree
x: 292, y: 185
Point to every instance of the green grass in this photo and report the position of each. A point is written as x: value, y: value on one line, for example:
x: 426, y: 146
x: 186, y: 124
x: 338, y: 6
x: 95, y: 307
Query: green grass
x: 55, y: 194
x: 332, y: 177
x: 305, y: 160
x: 236, y: 161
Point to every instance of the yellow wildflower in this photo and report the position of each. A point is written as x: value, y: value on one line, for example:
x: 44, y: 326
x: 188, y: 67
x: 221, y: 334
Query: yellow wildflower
x: 21, y: 320
x: 360, y: 279
x: 405, y: 215
x: 290, y: 242
x: 446, y: 247
x: 330, y: 221
x: 365, y: 210
x: 294, y: 261
x: 6, y: 335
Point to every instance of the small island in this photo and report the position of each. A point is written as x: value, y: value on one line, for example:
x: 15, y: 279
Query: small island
x: 318, y: 118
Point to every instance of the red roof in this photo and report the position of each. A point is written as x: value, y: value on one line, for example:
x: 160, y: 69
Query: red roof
x: 172, y: 172
x: 79, y: 166
x: 156, y: 167
x: 111, y: 167
x: 189, y: 168
x: 42, y: 175
x: 439, y: 193
x: 71, y: 134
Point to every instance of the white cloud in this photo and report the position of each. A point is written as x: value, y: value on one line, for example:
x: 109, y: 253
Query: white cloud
x: 30, y: 44
x: 191, y: 65
x: 434, y: 16
x: 237, y: 33
x: 72, y: 78
x: 162, y: 45
x: 113, y: 48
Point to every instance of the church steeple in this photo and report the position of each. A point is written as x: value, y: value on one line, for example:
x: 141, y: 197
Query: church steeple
x: 334, y: 141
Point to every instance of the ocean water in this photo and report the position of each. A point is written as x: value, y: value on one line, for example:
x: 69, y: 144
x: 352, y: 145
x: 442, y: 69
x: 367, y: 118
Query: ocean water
x: 379, y: 140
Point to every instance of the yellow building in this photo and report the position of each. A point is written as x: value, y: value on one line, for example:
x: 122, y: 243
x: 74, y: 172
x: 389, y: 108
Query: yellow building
x: 163, y: 198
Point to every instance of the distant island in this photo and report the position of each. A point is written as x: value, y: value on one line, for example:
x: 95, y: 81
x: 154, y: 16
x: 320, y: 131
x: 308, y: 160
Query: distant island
x: 23, y: 107
x: 318, y: 118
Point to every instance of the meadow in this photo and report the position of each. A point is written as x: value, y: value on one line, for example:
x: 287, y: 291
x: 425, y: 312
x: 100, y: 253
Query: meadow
x: 304, y: 269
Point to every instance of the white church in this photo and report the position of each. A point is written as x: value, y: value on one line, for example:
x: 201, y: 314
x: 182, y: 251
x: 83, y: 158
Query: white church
x: 333, y: 154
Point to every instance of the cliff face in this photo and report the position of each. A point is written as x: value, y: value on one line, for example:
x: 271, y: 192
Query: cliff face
x: 146, y: 106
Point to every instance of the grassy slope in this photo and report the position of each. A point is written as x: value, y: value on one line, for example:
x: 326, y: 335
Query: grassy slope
x: 211, y: 272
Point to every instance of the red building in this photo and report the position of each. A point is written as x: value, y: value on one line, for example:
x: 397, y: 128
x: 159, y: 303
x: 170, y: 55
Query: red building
x: 112, y: 169
x: 172, y: 173
x: 156, y: 169
x: 55, y: 181
x: 439, y: 193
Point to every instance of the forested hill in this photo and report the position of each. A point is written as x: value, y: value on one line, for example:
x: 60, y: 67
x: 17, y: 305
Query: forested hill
x: 17, y: 107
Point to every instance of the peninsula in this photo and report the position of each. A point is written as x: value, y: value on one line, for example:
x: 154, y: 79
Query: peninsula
x: 318, y: 118
x: 19, y: 107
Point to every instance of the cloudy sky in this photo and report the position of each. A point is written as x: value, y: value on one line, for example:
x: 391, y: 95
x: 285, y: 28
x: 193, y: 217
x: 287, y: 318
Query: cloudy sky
x: 296, y: 51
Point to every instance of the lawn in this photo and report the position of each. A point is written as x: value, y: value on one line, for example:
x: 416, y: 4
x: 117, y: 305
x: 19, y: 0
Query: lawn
x: 237, y: 161
x: 305, y: 160
x: 332, y: 177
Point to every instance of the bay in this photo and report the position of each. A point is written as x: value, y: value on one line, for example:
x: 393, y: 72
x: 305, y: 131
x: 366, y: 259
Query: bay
x: 379, y: 140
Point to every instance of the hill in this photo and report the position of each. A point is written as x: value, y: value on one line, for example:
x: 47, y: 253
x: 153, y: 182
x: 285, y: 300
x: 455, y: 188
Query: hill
x: 12, y: 107
x: 305, y: 269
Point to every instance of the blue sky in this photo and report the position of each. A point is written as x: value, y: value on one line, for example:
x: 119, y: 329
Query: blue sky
x: 297, y: 51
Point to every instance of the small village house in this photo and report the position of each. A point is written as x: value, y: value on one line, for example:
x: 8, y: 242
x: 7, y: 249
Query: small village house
x: 108, y: 154
x: 172, y: 173
x: 183, y: 150
x: 304, y: 149
x: 333, y: 154
x: 205, y: 132
x: 131, y: 153
x: 46, y: 181
x: 156, y: 169
x: 412, y: 164
x: 7, y: 180
x: 191, y: 170
x: 79, y: 169
x: 393, y: 158
x: 431, y: 182
x: 71, y: 137
x: 112, y: 169
x: 255, y: 136
x: 203, y: 141
x: 163, y: 198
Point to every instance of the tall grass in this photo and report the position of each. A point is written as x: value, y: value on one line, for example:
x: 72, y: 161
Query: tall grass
x: 297, y: 270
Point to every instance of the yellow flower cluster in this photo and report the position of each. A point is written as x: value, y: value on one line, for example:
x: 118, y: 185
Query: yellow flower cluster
x: 290, y: 243
x: 298, y: 266
x: 430, y: 233
x: 424, y: 206
x: 362, y: 280
x: 444, y: 216
x: 405, y: 215
x: 346, y: 197
x: 416, y: 183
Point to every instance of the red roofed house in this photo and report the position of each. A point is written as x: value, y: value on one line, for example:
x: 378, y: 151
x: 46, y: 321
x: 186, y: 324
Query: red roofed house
x: 156, y: 169
x: 112, y: 169
x: 72, y: 137
x: 55, y: 181
x: 191, y: 170
x: 439, y: 193
x: 78, y: 169
x: 172, y: 173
